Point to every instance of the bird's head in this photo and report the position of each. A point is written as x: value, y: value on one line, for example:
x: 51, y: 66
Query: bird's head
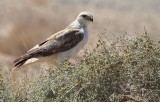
x: 85, y: 18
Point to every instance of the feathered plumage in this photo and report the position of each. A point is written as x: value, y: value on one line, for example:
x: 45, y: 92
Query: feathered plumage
x: 71, y: 38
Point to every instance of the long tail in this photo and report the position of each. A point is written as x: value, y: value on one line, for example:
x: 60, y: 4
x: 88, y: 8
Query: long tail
x: 20, y: 61
x: 23, y: 60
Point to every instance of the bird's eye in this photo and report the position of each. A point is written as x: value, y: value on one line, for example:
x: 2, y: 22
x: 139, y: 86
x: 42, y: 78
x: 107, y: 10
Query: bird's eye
x: 84, y: 16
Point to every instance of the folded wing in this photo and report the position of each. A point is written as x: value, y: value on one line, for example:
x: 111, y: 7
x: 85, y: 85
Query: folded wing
x: 60, y: 42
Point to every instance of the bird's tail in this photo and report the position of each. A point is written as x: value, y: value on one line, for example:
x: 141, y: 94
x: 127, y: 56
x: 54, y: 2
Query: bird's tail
x: 19, y: 62
x: 23, y: 60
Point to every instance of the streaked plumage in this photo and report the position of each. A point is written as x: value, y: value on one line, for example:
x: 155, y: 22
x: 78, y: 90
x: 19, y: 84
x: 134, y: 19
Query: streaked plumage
x: 65, y: 43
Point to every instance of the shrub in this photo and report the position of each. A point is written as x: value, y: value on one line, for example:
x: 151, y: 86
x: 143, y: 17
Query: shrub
x: 102, y: 75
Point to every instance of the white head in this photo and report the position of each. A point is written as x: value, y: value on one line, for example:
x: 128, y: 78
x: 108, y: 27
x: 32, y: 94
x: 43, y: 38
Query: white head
x: 84, y: 18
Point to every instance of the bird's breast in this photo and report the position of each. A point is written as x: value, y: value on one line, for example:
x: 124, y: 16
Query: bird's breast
x: 85, y: 38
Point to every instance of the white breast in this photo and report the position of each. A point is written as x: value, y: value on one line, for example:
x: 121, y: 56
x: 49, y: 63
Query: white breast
x: 85, y: 39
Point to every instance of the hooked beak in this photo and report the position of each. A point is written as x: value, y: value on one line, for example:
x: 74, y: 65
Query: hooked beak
x: 91, y: 19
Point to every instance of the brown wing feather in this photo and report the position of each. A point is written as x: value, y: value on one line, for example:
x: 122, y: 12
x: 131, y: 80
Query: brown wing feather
x: 60, y: 42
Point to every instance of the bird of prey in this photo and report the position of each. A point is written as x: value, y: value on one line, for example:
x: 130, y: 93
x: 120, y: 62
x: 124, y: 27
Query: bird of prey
x: 63, y: 44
